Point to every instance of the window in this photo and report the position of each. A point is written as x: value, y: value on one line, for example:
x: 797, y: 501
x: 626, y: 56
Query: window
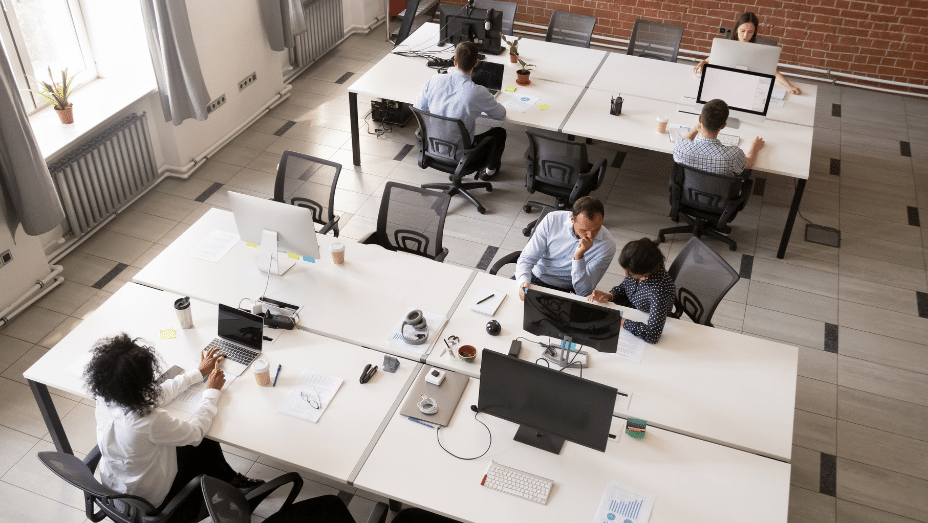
x: 38, y: 34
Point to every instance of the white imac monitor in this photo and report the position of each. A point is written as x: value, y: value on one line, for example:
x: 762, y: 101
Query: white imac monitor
x: 746, y: 93
x: 758, y: 58
x: 276, y: 227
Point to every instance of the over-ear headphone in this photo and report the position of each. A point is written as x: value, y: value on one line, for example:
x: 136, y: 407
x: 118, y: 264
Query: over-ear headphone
x: 488, y: 24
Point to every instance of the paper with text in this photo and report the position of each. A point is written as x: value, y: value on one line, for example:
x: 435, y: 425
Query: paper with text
x: 520, y: 102
x: 215, y: 245
x: 623, y: 504
x: 317, y: 388
x: 630, y: 347
x: 190, y: 399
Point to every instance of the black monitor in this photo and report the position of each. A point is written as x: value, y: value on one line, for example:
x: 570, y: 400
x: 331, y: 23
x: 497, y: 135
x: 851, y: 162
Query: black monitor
x: 550, y: 406
x: 584, y: 323
x: 743, y: 91
x: 467, y: 23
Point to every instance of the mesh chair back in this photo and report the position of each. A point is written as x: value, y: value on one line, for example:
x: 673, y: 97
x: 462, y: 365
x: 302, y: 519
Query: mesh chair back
x: 655, y: 40
x: 765, y: 41
x: 442, y: 139
x: 702, y: 279
x: 570, y: 29
x: 412, y: 219
x: 553, y: 166
x: 706, y: 191
x: 507, y: 8
x: 225, y: 503
x: 308, y: 181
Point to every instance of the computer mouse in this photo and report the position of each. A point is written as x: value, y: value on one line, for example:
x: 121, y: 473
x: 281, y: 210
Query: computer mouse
x: 494, y: 328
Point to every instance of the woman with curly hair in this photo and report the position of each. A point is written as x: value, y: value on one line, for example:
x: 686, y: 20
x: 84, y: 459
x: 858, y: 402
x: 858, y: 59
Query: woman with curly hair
x: 146, y: 451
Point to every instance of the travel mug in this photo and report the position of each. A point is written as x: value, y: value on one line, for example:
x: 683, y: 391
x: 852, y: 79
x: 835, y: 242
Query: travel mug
x: 182, y: 308
x: 262, y: 372
x: 338, y: 253
x: 616, y: 106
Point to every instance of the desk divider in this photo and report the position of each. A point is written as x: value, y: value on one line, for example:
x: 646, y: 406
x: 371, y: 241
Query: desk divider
x: 583, y: 92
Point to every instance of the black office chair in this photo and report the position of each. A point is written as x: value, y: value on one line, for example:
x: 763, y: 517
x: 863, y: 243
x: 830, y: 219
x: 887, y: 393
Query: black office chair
x: 226, y: 504
x: 445, y: 145
x: 412, y: 220
x: 766, y: 41
x: 708, y: 202
x: 417, y: 515
x: 702, y: 279
x: 655, y: 40
x: 570, y: 29
x: 558, y: 168
x: 513, y: 257
x: 507, y: 8
x: 302, y: 180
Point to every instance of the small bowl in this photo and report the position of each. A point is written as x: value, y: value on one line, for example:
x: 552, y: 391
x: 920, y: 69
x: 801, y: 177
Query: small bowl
x: 467, y: 353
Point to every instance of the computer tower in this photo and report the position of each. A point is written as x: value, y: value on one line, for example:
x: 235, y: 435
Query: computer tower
x: 390, y: 112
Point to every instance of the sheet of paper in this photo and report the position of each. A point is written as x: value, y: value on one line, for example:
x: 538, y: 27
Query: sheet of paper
x: 520, y: 102
x: 435, y: 323
x: 779, y: 92
x: 630, y: 347
x: 189, y: 400
x: 216, y: 244
x: 777, y: 103
x: 316, y: 387
x: 623, y: 504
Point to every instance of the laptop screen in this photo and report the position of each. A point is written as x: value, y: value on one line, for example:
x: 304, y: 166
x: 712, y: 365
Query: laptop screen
x: 240, y: 327
x: 489, y: 75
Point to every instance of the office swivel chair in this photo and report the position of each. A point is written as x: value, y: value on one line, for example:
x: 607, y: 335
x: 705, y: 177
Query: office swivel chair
x: 302, y: 179
x: 445, y: 145
x: 412, y: 220
x: 766, y: 41
x: 655, y: 40
x: 559, y: 168
x: 707, y: 202
x: 702, y: 279
x: 570, y: 29
x: 507, y: 8
x: 513, y: 257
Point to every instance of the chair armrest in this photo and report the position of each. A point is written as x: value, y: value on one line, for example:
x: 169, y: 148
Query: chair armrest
x: 192, y: 488
x: 731, y: 210
x: 379, y: 514
x: 369, y: 239
x: 441, y: 256
x: 469, y: 156
x: 583, y: 187
x: 256, y: 496
x: 512, y: 257
x: 333, y: 224
x: 92, y: 459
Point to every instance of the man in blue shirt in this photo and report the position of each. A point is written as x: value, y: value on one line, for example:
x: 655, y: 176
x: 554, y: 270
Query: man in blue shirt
x: 455, y: 95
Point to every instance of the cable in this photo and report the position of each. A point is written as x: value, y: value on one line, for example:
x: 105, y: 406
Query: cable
x: 800, y: 212
x: 437, y: 438
x: 379, y: 132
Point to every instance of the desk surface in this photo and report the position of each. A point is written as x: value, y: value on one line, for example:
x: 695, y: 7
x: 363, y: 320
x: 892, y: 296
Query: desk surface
x: 710, y: 383
x: 688, y: 476
x: 360, y: 302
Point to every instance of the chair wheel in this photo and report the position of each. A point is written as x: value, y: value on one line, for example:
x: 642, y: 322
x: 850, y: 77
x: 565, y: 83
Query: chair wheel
x: 526, y: 232
x: 527, y: 208
x: 660, y: 238
x: 481, y: 209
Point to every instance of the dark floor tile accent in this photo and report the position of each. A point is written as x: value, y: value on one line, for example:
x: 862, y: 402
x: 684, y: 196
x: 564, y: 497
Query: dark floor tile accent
x: 835, y: 167
x: 284, y: 128
x: 402, y: 154
x: 619, y: 159
x: 108, y: 277
x: 344, y: 78
x: 487, y: 258
x: 831, y: 338
x: 913, y: 216
x: 747, y: 265
x: 828, y: 475
x: 836, y: 110
x: 921, y: 299
x: 759, y: 185
x: 905, y: 148
x: 208, y: 192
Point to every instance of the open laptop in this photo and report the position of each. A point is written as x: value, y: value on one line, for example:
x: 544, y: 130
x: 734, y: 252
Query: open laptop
x: 489, y: 75
x: 240, y: 336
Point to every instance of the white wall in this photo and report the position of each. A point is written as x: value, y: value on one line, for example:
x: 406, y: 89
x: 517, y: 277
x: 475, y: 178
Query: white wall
x: 358, y: 14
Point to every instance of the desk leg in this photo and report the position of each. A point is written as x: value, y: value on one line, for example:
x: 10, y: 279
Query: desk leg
x: 50, y: 415
x: 791, y: 217
x: 355, y: 132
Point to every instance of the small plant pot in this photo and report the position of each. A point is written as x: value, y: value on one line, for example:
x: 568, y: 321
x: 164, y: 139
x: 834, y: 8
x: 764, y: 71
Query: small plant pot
x: 513, y: 58
x: 66, y: 115
x: 522, y: 78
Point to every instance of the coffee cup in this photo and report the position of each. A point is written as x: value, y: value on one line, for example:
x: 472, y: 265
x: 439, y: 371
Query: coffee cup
x: 662, y: 124
x: 467, y: 353
x: 338, y: 253
x: 262, y: 371
x: 184, y: 316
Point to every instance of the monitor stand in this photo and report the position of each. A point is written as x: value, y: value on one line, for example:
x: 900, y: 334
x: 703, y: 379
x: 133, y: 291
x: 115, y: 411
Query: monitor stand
x: 539, y: 440
x: 269, y: 259
x: 562, y: 356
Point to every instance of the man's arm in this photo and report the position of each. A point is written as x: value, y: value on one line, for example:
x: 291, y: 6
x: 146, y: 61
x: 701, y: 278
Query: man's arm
x: 751, y: 156
x: 533, y: 250
x: 422, y: 101
x: 488, y: 104
x: 586, y: 272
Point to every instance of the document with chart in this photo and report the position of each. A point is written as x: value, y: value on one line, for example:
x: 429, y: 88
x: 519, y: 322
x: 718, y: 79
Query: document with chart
x: 311, y: 395
x: 623, y: 504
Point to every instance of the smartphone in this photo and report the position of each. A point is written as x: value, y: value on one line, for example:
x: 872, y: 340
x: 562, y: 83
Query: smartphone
x: 170, y: 374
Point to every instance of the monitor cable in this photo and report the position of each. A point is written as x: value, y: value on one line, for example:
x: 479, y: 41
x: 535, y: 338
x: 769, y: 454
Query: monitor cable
x: 437, y: 438
x: 570, y: 364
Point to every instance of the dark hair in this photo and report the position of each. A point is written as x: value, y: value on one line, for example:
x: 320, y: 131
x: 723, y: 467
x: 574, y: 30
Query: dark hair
x: 466, y: 55
x: 589, y: 206
x: 714, y: 115
x: 746, y: 18
x: 641, y: 257
x: 125, y: 372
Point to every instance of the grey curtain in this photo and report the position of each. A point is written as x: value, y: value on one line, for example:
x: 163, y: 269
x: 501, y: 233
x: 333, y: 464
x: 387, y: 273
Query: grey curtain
x: 28, y: 193
x: 283, y: 19
x: 174, y: 58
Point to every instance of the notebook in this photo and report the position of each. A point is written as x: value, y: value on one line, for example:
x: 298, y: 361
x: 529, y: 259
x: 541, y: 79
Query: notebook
x: 487, y: 307
x: 489, y: 75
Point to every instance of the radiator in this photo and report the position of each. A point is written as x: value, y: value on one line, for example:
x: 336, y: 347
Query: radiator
x: 100, y: 175
x: 326, y: 29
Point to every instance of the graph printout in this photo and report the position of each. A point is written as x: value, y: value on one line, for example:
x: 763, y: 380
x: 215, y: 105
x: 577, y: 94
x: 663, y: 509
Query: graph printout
x: 623, y: 504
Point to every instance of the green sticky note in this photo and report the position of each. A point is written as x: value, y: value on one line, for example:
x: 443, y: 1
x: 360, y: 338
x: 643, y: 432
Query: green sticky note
x: 636, y: 427
x: 293, y: 256
x: 167, y: 334
x: 543, y: 107
x: 510, y: 89
x: 252, y: 245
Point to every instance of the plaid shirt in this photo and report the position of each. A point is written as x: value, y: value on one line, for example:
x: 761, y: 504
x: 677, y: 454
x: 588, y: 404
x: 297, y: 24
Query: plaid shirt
x: 708, y: 154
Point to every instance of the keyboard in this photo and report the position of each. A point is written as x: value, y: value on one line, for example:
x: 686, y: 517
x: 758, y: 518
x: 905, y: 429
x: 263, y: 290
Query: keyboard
x: 518, y: 483
x: 729, y: 139
x: 234, y: 352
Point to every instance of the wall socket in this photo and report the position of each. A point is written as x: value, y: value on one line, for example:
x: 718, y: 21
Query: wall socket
x: 215, y: 104
x: 725, y: 31
x: 245, y: 82
x: 5, y: 258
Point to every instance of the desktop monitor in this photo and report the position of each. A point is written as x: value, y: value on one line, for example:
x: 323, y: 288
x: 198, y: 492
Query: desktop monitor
x: 758, y: 58
x: 550, y: 406
x: 468, y: 23
x: 747, y: 93
x: 276, y: 227
x: 584, y: 323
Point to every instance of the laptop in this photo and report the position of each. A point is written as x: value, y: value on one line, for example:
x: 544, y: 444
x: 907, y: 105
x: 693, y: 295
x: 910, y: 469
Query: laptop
x: 240, y: 336
x: 489, y: 75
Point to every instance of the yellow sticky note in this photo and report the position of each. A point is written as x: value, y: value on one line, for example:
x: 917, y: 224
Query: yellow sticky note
x: 510, y: 89
x: 252, y: 245
x: 168, y: 334
x: 293, y: 256
x: 543, y: 107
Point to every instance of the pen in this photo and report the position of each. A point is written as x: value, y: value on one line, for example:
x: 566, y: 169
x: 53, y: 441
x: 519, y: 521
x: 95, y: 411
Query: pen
x: 276, y: 374
x: 420, y: 422
x: 485, y: 299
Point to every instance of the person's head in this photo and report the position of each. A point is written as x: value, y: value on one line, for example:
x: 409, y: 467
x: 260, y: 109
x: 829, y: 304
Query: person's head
x: 587, y: 216
x: 124, y: 372
x: 465, y: 56
x: 641, y: 258
x: 714, y: 115
x: 745, y: 28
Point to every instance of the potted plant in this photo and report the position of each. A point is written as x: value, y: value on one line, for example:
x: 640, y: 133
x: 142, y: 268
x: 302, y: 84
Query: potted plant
x: 522, y: 75
x: 513, y: 48
x: 56, y: 95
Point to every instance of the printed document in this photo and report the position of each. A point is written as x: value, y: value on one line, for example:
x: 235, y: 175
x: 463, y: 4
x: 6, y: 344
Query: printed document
x: 630, y: 347
x: 216, y: 244
x: 435, y: 323
x: 520, y: 102
x: 311, y: 395
x: 623, y: 504
x: 189, y: 399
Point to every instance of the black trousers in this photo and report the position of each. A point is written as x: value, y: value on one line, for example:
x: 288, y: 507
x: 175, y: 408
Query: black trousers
x: 205, y: 458
x: 498, y: 135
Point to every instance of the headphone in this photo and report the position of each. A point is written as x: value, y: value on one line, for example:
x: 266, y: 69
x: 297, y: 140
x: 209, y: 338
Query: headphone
x: 488, y: 24
x: 416, y: 320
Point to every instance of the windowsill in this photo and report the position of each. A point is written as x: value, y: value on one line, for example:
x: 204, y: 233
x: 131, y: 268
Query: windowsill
x: 93, y: 105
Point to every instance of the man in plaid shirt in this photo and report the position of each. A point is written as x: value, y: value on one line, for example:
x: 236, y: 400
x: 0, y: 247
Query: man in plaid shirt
x: 706, y: 152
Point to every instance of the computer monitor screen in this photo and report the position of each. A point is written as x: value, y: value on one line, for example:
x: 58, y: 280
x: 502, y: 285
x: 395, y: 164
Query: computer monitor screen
x: 294, y: 225
x: 459, y: 24
x: 744, y: 91
x: 753, y: 57
x: 587, y: 324
x: 550, y: 406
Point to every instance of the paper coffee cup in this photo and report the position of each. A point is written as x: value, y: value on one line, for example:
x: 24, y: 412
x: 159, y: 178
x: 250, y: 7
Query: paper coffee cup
x: 184, y: 316
x: 262, y: 372
x: 338, y: 253
x: 662, y: 124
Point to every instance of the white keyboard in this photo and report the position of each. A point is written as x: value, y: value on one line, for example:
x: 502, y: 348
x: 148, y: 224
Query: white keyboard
x: 518, y: 483
x: 729, y: 139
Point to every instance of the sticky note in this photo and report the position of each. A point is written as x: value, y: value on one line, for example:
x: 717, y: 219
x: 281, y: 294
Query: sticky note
x: 308, y: 259
x: 293, y: 256
x: 168, y: 334
x: 510, y: 89
x: 252, y: 245
x: 543, y: 107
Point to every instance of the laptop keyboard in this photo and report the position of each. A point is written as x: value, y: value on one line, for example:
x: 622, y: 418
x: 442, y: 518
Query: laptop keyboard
x: 234, y: 352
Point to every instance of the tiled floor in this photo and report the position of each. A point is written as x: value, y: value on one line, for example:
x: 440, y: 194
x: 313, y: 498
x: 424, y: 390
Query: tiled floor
x: 859, y: 313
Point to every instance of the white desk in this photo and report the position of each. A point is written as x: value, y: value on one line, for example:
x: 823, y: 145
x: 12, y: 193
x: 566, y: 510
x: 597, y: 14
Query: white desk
x: 709, y: 383
x: 692, y: 479
x: 360, y: 302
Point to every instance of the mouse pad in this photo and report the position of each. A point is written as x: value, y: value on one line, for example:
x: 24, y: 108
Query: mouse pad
x: 447, y: 395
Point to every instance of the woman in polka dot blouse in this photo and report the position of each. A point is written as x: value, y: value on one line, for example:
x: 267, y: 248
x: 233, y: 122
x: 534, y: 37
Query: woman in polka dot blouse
x: 647, y: 287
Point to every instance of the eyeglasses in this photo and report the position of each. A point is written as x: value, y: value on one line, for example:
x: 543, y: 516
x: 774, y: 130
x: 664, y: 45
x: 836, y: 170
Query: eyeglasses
x: 312, y: 399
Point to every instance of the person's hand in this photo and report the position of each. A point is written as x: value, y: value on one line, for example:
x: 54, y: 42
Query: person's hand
x: 217, y: 379
x: 756, y: 145
x: 586, y: 241
x: 698, y: 68
x: 795, y: 90
x: 522, y: 289
x: 600, y: 297
x: 209, y: 361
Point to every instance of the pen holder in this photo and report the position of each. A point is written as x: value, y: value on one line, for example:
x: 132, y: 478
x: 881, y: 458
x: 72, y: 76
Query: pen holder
x: 615, y: 107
